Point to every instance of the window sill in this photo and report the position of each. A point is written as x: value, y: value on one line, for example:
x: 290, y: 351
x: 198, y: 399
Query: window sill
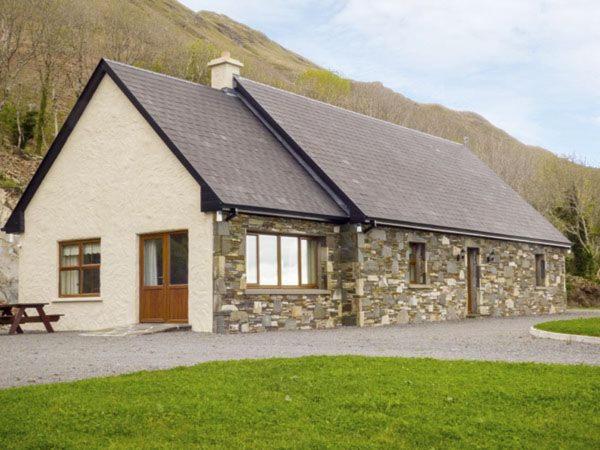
x: 419, y: 286
x: 77, y: 300
x: 292, y: 291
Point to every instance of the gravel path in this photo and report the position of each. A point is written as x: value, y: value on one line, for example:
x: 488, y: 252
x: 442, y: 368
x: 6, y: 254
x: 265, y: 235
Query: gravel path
x: 46, y: 358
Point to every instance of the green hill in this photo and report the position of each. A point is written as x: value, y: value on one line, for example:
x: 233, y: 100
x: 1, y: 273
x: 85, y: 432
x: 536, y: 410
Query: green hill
x: 51, y: 48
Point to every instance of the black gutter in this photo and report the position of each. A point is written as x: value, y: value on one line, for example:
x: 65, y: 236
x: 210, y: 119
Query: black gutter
x: 275, y: 212
x: 467, y: 232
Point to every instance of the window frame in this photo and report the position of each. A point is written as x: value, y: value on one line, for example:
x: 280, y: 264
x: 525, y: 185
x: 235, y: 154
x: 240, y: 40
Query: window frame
x: 80, y: 266
x: 540, y: 270
x: 420, y: 270
x: 300, y: 237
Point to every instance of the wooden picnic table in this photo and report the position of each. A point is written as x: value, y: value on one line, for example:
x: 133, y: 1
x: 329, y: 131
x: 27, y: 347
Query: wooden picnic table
x: 16, y: 314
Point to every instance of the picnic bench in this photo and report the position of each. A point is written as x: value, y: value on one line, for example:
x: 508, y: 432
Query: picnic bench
x: 16, y: 314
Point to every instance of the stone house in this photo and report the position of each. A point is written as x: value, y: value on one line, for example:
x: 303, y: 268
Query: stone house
x: 241, y: 208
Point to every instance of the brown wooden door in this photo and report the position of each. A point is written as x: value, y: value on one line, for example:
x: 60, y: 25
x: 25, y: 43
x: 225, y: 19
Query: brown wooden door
x: 472, y: 279
x: 164, y: 277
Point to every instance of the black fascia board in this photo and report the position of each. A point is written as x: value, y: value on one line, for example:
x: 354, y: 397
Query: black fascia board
x: 16, y: 221
x: 335, y: 192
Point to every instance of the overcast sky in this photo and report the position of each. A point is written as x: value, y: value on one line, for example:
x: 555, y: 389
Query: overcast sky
x: 531, y: 67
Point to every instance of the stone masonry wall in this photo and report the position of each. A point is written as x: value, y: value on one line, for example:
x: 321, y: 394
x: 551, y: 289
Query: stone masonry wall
x: 363, y: 278
x: 240, y: 310
x: 507, y: 283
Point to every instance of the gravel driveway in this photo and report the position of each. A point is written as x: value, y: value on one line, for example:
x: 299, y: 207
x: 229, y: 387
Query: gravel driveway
x: 45, y: 358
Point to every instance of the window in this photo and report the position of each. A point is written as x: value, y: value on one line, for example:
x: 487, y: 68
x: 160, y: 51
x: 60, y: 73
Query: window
x: 416, y: 264
x: 281, y: 261
x: 79, y: 263
x: 540, y: 270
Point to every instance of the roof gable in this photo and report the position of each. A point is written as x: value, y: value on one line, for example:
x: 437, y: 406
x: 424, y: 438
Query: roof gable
x: 403, y: 176
x: 237, y: 162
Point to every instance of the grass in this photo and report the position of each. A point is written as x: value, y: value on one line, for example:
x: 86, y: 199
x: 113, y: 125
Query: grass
x: 586, y: 327
x: 314, y: 402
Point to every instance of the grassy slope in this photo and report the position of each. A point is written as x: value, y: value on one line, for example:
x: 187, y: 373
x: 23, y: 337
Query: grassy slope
x: 587, y: 327
x: 268, y: 62
x: 315, y: 402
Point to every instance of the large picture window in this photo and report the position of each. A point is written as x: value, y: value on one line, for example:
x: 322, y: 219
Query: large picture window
x: 79, y: 267
x: 281, y: 261
x: 417, y: 265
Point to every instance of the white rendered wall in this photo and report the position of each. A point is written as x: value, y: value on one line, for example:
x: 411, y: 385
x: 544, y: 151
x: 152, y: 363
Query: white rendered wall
x: 114, y: 179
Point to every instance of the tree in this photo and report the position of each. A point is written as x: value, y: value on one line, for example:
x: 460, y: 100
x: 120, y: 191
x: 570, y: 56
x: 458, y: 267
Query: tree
x: 14, y: 52
x: 199, y: 53
x: 323, y: 85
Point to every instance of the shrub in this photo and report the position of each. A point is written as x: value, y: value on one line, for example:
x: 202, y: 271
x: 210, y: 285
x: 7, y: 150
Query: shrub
x: 582, y: 292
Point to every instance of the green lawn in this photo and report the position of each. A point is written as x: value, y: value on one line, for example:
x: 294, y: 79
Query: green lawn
x: 335, y: 402
x: 587, y: 327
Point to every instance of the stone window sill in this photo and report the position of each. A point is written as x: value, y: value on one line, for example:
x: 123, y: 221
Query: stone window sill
x: 77, y: 300
x: 259, y: 291
x: 419, y: 286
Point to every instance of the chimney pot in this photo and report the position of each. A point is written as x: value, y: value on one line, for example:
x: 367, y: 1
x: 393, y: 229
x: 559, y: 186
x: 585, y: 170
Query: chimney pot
x: 222, y: 71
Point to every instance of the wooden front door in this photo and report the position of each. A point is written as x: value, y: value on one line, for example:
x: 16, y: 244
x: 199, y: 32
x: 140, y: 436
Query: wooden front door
x: 472, y: 280
x: 164, y: 277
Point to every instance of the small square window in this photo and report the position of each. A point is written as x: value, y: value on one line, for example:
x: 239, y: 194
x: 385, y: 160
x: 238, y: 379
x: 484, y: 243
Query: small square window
x: 79, y: 265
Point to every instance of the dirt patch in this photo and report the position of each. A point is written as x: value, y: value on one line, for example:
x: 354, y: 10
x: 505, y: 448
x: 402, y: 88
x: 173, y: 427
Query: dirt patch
x: 582, y: 292
x: 17, y: 167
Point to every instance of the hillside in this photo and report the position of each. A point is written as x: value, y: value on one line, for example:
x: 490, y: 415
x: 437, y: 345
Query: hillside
x: 57, y: 44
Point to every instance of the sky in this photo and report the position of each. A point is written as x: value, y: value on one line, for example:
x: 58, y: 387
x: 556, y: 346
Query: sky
x: 531, y: 67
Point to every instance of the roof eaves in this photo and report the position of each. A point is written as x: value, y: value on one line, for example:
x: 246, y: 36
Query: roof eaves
x: 275, y: 212
x: 473, y: 233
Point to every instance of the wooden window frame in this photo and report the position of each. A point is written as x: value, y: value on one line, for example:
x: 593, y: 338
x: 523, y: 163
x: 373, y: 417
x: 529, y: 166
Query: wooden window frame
x: 419, y: 264
x: 540, y: 270
x: 80, y: 266
x: 300, y: 238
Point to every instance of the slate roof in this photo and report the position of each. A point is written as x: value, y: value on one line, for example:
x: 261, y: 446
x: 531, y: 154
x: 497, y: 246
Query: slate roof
x: 233, y: 152
x: 264, y: 150
x: 397, y: 174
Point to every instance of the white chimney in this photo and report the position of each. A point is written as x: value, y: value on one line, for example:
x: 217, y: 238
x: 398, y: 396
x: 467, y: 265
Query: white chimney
x: 222, y: 71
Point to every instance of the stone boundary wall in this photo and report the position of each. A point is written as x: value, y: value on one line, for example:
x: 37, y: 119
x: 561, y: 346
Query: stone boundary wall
x: 363, y: 278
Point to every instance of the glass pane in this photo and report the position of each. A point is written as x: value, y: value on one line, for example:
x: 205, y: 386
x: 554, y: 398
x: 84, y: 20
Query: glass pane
x: 251, y: 273
x: 289, y: 261
x: 178, y: 249
x: 91, y: 253
x: 91, y: 281
x: 268, y: 259
x: 69, y: 255
x: 153, y: 273
x: 308, y: 249
x: 69, y: 282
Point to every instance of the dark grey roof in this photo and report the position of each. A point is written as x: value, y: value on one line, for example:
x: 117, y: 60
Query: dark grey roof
x: 269, y: 151
x: 402, y: 175
x: 231, y: 150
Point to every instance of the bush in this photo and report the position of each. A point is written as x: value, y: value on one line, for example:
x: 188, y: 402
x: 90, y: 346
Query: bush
x: 582, y: 292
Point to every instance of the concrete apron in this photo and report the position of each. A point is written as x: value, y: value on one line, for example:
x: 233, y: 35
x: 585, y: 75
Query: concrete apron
x: 138, y: 329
